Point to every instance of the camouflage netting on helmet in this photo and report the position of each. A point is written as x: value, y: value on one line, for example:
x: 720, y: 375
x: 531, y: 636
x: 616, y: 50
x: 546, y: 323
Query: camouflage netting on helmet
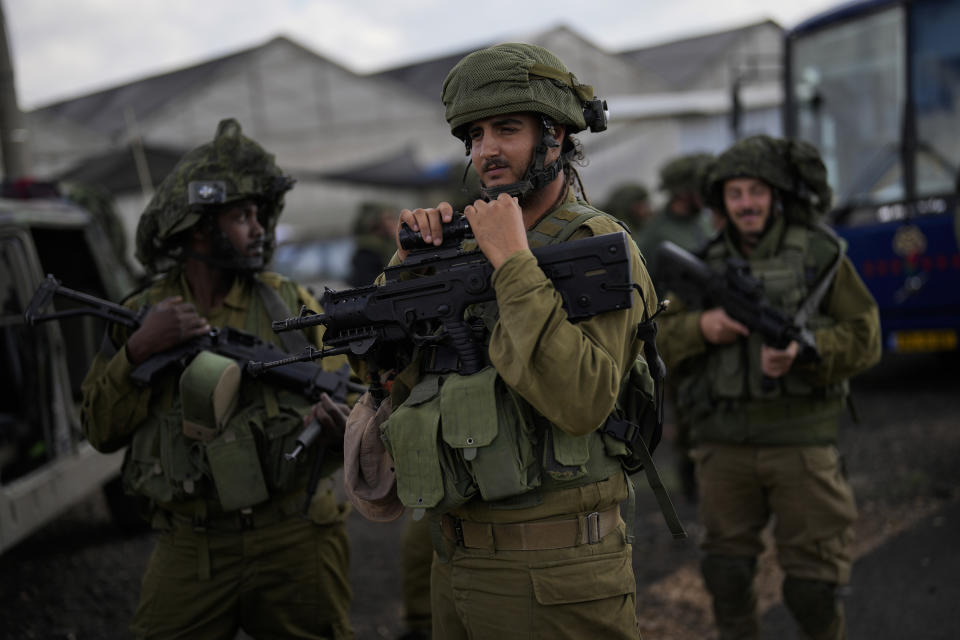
x: 247, y: 171
x: 512, y: 78
x: 793, y: 167
x: 684, y: 174
x: 623, y: 198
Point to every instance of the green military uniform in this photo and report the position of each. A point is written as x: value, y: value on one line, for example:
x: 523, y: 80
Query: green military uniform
x: 210, y: 569
x: 523, y: 554
x: 227, y: 557
x: 765, y: 452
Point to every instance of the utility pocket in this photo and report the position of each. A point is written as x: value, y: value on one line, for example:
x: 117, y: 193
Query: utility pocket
x: 410, y: 436
x: 583, y: 580
x: 483, y: 425
x: 725, y: 369
x: 280, y: 433
x: 235, y: 467
x: 143, y: 468
x: 181, y: 458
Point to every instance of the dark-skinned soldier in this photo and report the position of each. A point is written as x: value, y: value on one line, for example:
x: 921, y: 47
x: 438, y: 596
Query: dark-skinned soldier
x: 233, y: 551
x: 764, y: 420
x: 511, y: 463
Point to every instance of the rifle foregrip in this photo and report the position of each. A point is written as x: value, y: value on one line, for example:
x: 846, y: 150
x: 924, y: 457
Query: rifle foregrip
x: 470, y: 360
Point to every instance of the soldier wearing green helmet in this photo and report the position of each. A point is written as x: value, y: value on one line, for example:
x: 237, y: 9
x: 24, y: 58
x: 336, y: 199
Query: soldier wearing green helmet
x: 764, y: 420
x: 205, y: 444
x: 682, y: 219
x: 526, y: 523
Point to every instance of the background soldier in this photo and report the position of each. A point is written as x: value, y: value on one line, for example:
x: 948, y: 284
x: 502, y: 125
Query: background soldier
x: 630, y: 203
x: 532, y: 540
x: 233, y: 551
x: 682, y: 220
x: 763, y: 449
x: 373, y: 234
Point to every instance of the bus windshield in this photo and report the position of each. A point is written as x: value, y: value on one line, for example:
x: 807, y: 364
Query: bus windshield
x: 936, y: 93
x: 849, y: 83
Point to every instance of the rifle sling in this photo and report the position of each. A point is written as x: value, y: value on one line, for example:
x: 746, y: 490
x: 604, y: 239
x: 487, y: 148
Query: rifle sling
x: 293, y: 341
x: 816, y: 295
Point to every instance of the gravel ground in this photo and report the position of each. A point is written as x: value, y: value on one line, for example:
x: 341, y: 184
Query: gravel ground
x: 78, y: 578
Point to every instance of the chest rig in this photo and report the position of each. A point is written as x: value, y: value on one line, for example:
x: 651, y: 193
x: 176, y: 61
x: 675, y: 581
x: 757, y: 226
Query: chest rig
x: 236, y: 463
x: 490, y: 442
x: 725, y: 392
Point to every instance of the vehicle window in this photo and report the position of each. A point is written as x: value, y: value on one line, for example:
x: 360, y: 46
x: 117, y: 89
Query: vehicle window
x: 849, y: 82
x: 936, y: 94
x: 66, y: 254
x: 22, y: 442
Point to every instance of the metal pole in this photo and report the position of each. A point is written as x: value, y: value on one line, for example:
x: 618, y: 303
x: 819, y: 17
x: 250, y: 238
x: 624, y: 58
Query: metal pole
x: 13, y: 133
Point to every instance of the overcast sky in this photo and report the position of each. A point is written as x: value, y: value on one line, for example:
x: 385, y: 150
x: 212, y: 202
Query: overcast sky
x: 66, y: 48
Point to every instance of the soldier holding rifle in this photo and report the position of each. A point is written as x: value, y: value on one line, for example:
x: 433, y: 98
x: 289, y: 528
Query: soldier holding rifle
x: 763, y: 391
x: 207, y: 444
x: 508, y: 456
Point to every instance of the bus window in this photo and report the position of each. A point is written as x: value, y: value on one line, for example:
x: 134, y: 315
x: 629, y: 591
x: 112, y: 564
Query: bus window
x: 849, y: 84
x: 936, y: 93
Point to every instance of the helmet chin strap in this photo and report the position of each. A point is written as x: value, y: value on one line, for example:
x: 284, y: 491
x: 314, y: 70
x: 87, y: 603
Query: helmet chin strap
x: 537, y: 176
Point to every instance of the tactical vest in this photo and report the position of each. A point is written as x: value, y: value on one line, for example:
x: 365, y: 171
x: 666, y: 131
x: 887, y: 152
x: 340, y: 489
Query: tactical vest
x: 243, y: 464
x: 721, y: 391
x: 490, y: 442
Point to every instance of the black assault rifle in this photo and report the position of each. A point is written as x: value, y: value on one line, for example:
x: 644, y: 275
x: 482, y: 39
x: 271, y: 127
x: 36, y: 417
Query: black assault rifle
x: 741, y: 295
x: 423, y: 300
x: 304, y: 378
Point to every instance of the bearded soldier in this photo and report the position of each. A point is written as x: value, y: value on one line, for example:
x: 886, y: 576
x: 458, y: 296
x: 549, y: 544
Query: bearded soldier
x: 520, y: 480
x: 233, y: 550
x: 764, y: 420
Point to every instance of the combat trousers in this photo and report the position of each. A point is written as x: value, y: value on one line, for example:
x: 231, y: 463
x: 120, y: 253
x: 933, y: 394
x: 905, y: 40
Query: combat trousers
x: 587, y: 591
x: 285, y: 580
x: 417, y: 558
x: 803, y: 487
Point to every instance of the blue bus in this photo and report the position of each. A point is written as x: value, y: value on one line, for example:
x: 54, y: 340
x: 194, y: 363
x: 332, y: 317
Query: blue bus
x: 875, y: 86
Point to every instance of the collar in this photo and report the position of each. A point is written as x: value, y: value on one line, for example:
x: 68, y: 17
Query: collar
x: 769, y: 242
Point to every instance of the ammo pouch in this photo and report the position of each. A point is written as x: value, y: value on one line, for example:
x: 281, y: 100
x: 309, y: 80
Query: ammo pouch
x: 481, y: 446
x: 208, y: 391
x: 634, y: 418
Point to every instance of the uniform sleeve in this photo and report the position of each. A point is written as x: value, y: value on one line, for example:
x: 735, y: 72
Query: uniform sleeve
x: 678, y: 335
x: 852, y: 344
x: 568, y: 372
x: 113, y: 405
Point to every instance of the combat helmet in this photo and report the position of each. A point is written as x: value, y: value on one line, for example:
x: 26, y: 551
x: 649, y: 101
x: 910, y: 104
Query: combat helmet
x: 230, y: 168
x: 519, y: 77
x: 793, y: 168
x: 684, y: 174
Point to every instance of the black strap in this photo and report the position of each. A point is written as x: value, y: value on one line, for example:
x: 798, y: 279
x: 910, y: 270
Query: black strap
x: 293, y: 341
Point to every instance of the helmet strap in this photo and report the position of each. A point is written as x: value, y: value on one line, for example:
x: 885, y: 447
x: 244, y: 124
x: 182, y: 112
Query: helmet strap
x: 537, y: 176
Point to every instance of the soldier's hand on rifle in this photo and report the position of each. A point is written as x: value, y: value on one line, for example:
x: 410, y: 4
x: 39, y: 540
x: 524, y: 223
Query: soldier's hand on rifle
x: 498, y: 227
x: 719, y: 328
x: 168, y: 324
x: 332, y: 417
x: 776, y: 362
x: 427, y: 221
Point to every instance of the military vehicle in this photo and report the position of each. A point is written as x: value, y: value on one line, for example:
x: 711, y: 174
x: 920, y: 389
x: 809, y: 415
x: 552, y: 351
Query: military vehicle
x: 46, y: 465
